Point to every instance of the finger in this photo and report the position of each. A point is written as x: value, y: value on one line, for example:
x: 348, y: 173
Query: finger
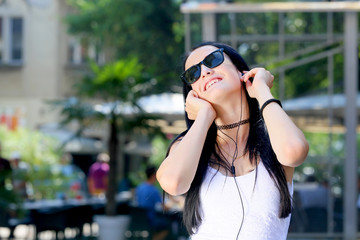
x: 248, y: 84
x: 248, y: 75
x: 192, y: 93
x: 190, y: 96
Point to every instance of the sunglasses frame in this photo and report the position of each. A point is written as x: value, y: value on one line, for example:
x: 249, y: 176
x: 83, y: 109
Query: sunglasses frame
x: 198, y: 67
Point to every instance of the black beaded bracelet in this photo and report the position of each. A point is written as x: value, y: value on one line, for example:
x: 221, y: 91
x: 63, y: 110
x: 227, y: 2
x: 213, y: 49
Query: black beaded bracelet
x: 266, y: 103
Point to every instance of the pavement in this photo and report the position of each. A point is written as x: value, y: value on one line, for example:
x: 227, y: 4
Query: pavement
x: 27, y: 232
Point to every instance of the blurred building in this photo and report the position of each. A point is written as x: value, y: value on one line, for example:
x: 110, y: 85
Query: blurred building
x: 39, y: 61
x: 33, y: 58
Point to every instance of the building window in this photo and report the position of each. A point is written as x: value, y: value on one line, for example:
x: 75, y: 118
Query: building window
x: 1, y: 40
x: 11, y: 40
x: 80, y: 51
x: 16, y: 39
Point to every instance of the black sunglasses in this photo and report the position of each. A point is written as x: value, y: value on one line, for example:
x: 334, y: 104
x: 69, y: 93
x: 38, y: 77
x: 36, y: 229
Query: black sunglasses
x: 212, y: 60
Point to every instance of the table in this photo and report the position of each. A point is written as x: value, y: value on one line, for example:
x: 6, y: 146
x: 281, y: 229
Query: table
x: 57, y: 215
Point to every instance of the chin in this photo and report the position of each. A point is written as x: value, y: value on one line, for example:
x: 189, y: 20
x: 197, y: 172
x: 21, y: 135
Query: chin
x: 216, y: 94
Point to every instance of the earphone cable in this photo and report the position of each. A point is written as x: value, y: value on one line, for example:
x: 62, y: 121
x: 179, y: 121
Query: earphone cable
x: 233, y: 167
x: 242, y: 207
x: 237, y: 186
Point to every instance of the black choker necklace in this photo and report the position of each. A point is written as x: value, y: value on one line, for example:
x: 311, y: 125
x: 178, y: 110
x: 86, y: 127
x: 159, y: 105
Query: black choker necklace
x: 232, y: 125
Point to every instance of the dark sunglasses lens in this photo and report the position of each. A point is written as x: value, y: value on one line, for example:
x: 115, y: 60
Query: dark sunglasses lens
x: 192, y: 74
x: 214, y: 59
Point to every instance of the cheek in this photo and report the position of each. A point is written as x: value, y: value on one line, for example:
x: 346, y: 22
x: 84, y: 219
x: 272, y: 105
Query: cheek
x: 235, y: 75
x: 230, y: 70
x: 196, y: 87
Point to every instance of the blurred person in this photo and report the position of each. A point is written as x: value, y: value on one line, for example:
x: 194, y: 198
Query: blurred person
x: 148, y: 196
x: 358, y: 201
x: 313, y: 194
x: 98, y: 175
x: 74, y: 179
x: 5, y: 169
x: 20, y: 175
x: 5, y: 175
x: 313, y: 198
x: 16, y: 173
x: 236, y: 159
x: 358, y: 188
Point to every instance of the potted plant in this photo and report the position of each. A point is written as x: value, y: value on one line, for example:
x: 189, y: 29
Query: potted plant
x: 116, y: 89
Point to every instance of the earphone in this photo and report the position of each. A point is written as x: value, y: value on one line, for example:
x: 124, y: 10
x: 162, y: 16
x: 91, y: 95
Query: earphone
x: 232, y: 168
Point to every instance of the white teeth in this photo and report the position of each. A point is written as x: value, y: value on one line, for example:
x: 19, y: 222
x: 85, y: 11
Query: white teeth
x: 211, y: 83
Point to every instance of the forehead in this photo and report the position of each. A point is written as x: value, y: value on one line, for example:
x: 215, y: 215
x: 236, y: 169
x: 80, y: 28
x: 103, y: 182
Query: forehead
x: 198, y: 55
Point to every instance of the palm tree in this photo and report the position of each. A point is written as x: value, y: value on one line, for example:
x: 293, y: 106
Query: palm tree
x: 110, y: 94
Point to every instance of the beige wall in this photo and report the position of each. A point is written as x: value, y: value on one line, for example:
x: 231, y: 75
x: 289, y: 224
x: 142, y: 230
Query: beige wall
x: 42, y: 74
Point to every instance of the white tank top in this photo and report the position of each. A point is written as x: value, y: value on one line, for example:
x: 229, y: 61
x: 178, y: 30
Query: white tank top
x: 222, y: 211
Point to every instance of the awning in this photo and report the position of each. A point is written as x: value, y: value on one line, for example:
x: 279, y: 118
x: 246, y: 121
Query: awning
x: 72, y: 143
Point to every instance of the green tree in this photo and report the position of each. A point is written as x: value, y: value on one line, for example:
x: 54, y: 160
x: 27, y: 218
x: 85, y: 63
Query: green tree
x: 151, y: 31
x: 40, y: 152
x: 109, y: 94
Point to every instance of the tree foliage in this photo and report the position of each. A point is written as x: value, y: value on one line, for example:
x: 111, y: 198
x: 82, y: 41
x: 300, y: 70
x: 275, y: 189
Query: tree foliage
x: 109, y: 95
x: 148, y: 30
x: 40, y: 152
x: 123, y: 80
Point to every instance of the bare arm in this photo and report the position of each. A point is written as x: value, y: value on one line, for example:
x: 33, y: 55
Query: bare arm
x: 287, y: 140
x: 177, y: 171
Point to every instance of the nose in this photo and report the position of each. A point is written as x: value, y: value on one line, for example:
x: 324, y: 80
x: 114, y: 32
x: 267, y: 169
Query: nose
x: 205, y: 71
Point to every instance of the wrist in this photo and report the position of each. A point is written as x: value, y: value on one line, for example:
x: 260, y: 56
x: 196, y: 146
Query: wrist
x: 207, y: 115
x: 263, y: 98
x: 271, y: 100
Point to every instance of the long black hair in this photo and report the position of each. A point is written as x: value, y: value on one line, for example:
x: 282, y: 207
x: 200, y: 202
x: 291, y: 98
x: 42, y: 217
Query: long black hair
x: 258, y: 144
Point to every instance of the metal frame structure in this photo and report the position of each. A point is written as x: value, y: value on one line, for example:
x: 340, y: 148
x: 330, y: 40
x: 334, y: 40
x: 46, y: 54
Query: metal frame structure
x: 350, y: 38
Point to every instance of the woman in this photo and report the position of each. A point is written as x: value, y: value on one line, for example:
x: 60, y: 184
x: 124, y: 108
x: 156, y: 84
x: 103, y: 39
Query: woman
x: 234, y: 162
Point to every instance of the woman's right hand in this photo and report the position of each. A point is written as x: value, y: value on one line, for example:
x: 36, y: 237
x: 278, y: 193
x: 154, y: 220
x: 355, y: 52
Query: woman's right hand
x: 178, y: 170
x: 194, y: 106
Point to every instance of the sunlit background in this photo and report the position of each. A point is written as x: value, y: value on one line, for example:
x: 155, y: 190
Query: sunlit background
x: 83, y: 77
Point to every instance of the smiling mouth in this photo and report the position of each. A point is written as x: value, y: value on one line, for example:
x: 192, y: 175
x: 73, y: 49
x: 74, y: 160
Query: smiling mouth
x: 211, y: 83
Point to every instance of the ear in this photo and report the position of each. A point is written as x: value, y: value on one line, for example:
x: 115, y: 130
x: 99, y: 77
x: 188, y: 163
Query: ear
x: 240, y: 74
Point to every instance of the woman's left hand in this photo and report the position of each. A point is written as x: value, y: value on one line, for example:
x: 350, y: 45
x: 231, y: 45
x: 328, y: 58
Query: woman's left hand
x: 262, y: 83
x: 287, y: 140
